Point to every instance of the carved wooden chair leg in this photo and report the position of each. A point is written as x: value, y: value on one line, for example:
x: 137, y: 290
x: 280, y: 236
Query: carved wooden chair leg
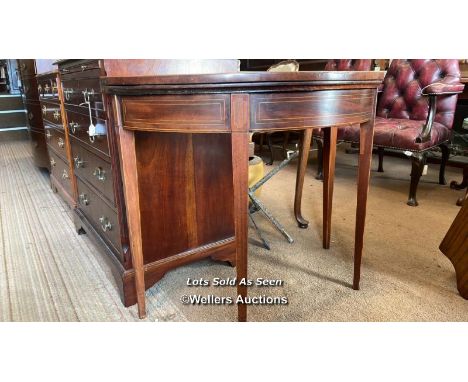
x: 319, y: 175
x: 381, y: 152
x: 270, y: 146
x: 418, y: 162
x: 304, y: 148
x: 454, y: 185
x: 445, y: 157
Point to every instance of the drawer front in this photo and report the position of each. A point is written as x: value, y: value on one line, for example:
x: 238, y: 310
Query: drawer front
x: 59, y: 169
x: 78, y: 124
x: 51, y: 114
x: 56, y: 139
x: 29, y: 88
x: 47, y: 88
x: 80, y: 91
x: 102, y: 217
x: 80, y: 68
x: 27, y: 67
x: 94, y: 170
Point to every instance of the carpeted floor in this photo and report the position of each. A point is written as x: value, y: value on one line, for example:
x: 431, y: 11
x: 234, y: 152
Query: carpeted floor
x: 48, y: 273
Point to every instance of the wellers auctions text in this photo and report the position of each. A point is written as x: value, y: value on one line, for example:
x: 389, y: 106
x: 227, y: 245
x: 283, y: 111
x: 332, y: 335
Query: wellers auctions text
x: 223, y: 300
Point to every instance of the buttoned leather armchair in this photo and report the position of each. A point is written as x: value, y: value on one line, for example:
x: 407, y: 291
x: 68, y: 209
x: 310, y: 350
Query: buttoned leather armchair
x: 415, y: 113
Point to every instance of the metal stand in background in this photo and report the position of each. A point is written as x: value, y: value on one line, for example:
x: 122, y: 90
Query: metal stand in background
x: 257, y: 205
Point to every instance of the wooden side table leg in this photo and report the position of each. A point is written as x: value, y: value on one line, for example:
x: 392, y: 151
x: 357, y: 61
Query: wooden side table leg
x: 240, y: 122
x: 130, y: 184
x: 329, y: 156
x: 365, y: 159
x: 301, y: 169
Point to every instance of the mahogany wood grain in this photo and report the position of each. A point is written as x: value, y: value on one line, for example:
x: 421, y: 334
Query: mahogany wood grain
x: 364, y: 167
x: 301, y: 169
x: 128, y: 162
x: 455, y: 247
x: 329, y: 156
x: 240, y: 121
x: 197, y: 113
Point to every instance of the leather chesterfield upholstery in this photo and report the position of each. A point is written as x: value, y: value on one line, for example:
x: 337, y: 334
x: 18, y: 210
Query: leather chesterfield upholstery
x: 403, y: 105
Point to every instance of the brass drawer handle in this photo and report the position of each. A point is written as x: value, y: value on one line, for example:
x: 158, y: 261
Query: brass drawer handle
x: 23, y: 66
x: 30, y: 116
x: 48, y: 134
x: 52, y: 162
x: 56, y: 115
x: 87, y: 93
x: 84, y: 199
x: 44, y: 110
x: 54, y: 87
x: 73, y: 127
x: 105, y: 223
x: 79, y: 163
x: 68, y: 93
x: 39, y: 88
x: 100, y: 173
x: 60, y: 142
x: 26, y: 88
x: 65, y: 175
x: 46, y: 88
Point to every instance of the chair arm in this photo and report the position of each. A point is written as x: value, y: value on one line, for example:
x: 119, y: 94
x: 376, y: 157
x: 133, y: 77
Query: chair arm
x: 432, y: 91
x: 425, y: 135
x: 441, y: 88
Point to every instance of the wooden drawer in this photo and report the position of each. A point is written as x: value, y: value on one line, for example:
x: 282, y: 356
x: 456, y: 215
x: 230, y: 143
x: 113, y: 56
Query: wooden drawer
x: 79, y: 91
x: 94, y: 170
x: 59, y: 169
x: 78, y: 124
x: 29, y: 88
x: 80, y: 68
x: 51, y: 114
x: 100, y: 214
x: 47, y: 88
x: 56, y: 139
x: 27, y: 67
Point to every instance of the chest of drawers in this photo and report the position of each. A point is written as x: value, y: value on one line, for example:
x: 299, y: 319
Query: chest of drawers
x: 96, y: 172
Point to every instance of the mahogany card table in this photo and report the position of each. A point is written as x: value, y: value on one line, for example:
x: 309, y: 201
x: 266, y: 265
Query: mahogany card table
x: 183, y: 147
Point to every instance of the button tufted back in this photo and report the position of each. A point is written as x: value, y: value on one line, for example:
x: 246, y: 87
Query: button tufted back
x: 401, y: 96
x: 348, y: 65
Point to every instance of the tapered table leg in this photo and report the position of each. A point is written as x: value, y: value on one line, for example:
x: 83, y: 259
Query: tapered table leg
x: 329, y: 156
x: 365, y: 159
x: 301, y: 169
x: 240, y: 121
x: 130, y: 175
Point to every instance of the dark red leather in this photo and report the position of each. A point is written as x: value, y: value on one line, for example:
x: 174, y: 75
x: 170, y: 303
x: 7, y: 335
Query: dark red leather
x: 398, y: 133
x: 403, y: 105
x: 348, y: 65
x: 440, y: 88
x: 402, y: 98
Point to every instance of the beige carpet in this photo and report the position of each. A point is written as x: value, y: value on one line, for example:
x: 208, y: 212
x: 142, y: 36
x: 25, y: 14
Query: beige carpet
x: 48, y: 273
